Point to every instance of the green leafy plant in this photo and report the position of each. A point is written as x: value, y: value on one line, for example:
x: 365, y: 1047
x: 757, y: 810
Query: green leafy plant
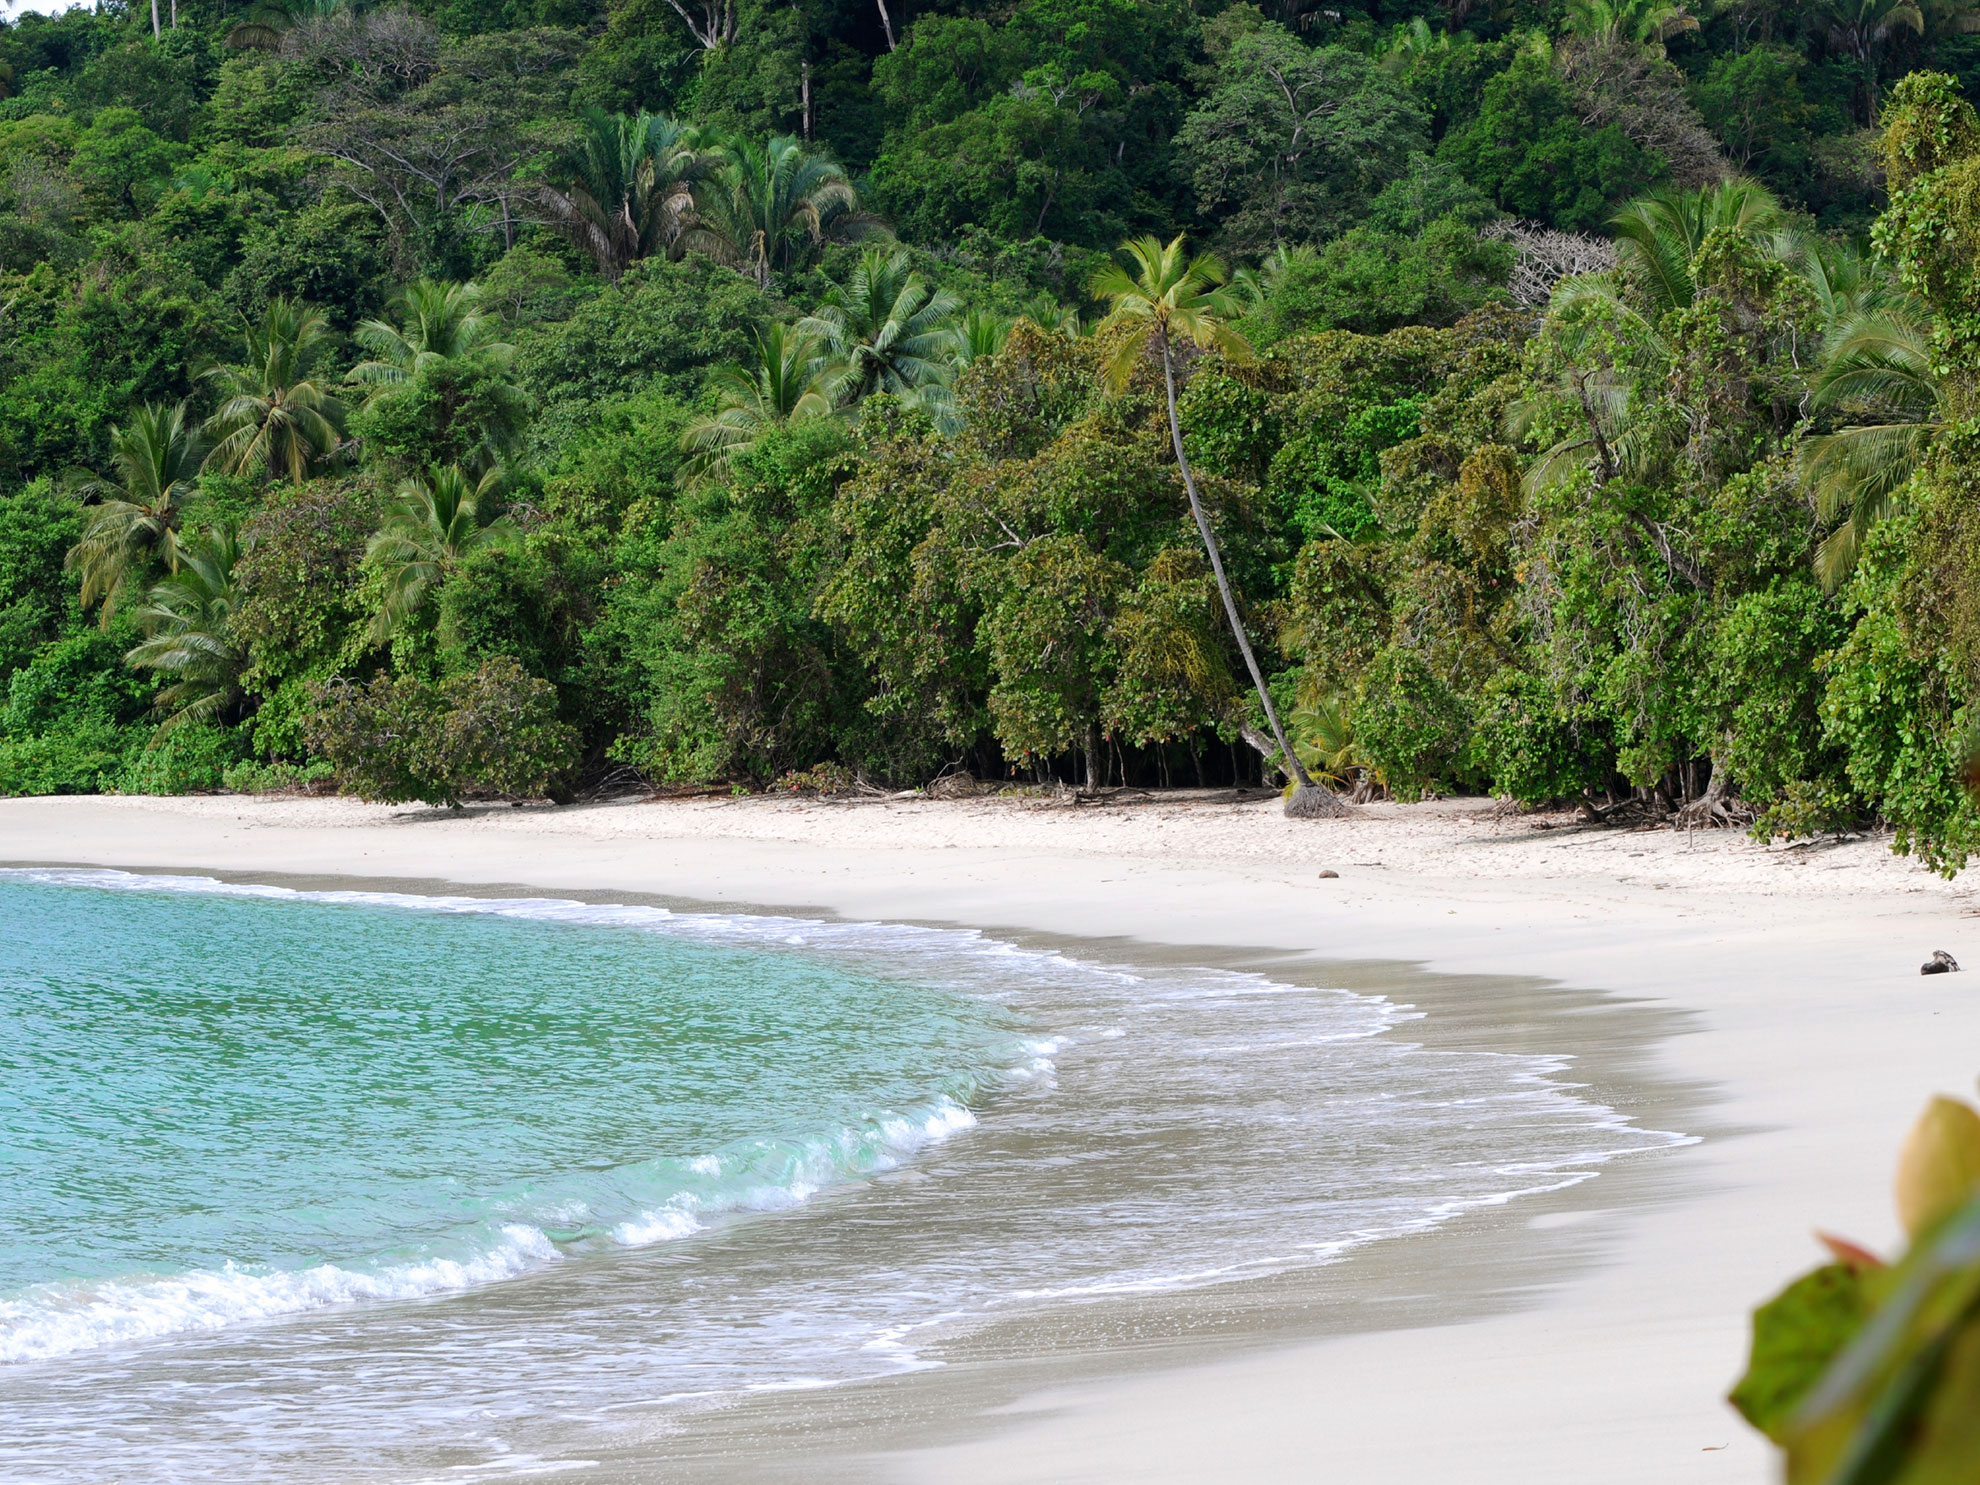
x: 1867, y: 1373
x: 493, y: 731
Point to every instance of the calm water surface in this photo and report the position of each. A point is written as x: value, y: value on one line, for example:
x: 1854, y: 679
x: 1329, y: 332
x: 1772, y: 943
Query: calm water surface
x: 349, y: 1186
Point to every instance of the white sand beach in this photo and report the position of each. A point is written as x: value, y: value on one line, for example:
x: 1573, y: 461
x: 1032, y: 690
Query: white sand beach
x: 1806, y: 1033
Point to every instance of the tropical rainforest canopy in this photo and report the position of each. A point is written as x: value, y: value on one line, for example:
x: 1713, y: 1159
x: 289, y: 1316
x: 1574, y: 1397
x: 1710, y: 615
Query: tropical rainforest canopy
x: 511, y: 396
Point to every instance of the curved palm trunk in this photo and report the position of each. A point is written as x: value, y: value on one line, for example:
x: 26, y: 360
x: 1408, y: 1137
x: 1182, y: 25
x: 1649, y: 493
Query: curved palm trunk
x: 1291, y: 759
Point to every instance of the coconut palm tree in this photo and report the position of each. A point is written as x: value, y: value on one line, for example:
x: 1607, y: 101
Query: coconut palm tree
x: 1162, y: 295
x: 783, y: 385
x: 1053, y: 317
x: 1846, y: 280
x: 273, y: 417
x: 187, y: 621
x: 977, y: 336
x: 1879, y: 365
x: 430, y: 528
x: 136, y: 514
x: 626, y: 186
x: 886, y: 329
x: 441, y: 322
x: 763, y: 208
x: 1658, y: 235
x: 446, y: 338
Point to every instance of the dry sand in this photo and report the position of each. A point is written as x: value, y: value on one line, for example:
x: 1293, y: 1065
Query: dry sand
x: 1811, y: 1040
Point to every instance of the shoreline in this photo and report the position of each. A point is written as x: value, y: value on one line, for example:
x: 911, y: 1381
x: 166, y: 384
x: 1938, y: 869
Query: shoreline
x: 1807, y: 1027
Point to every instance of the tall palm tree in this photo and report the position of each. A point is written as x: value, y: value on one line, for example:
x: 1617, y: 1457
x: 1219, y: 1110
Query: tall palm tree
x: 782, y: 386
x: 430, y: 527
x: 626, y: 186
x: 1658, y: 235
x: 1168, y: 295
x: 1862, y: 30
x: 886, y: 329
x: 136, y: 514
x: 440, y: 322
x: 1879, y: 365
x: 273, y: 418
x: 187, y: 620
x: 763, y: 207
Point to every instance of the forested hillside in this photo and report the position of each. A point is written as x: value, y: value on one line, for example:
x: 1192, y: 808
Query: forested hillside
x: 513, y: 396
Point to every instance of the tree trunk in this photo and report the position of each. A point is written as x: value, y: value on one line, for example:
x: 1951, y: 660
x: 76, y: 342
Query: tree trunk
x: 1092, y: 756
x: 155, y: 31
x: 1290, y: 759
x: 886, y: 23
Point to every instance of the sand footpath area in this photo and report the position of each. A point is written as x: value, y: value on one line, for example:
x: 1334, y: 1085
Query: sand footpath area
x: 1809, y: 1035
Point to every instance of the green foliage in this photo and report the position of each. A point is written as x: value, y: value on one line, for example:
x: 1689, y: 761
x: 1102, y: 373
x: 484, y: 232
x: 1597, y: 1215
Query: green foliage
x: 778, y: 492
x: 1275, y: 170
x: 71, y: 718
x: 661, y: 328
x: 1409, y: 725
x: 1528, y: 150
x: 1371, y: 281
x: 187, y: 760
x: 38, y: 524
x: 489, y: 731
x: 1864, y: 1371
x: 1529, y: 749
x: 1796, y: 1335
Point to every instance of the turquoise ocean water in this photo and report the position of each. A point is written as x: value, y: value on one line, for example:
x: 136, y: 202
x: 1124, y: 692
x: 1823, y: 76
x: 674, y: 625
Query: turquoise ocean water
x: 352, y: 1185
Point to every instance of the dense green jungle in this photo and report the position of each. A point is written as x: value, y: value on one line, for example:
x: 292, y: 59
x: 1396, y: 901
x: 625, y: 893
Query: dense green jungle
x: 487, y: 398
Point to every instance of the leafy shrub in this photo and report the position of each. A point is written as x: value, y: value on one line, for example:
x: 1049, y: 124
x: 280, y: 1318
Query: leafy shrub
x: 1864, y: 1370
x: 1409, y: 725
x: 1529, y: 749
x: 822, y: 778
x: 491, y: 731
x: 186, y: 760
x: 85, y: 757
x: 72, y: 716
x: 255, y: 777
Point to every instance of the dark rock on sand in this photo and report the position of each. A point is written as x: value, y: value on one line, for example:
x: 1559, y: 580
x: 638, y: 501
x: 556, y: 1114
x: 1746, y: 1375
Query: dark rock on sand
x: 1941, y: 963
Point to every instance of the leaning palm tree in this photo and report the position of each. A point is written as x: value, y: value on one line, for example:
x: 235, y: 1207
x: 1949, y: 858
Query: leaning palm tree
x: 783, y: 386
x: 886, y: 329
x: 136, y: 514
x: 1880, y: 366
x: 273, y: 418
x: 430, y: 528
x: 763, y: 207
x: 1658, y: 235
x: 1167, y: 296
x: 439, y: 323
x: 187, y: 621
x: 625, y: 186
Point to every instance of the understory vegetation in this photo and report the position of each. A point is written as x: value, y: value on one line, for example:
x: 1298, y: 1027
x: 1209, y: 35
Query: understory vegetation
x: 1570, y: 401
